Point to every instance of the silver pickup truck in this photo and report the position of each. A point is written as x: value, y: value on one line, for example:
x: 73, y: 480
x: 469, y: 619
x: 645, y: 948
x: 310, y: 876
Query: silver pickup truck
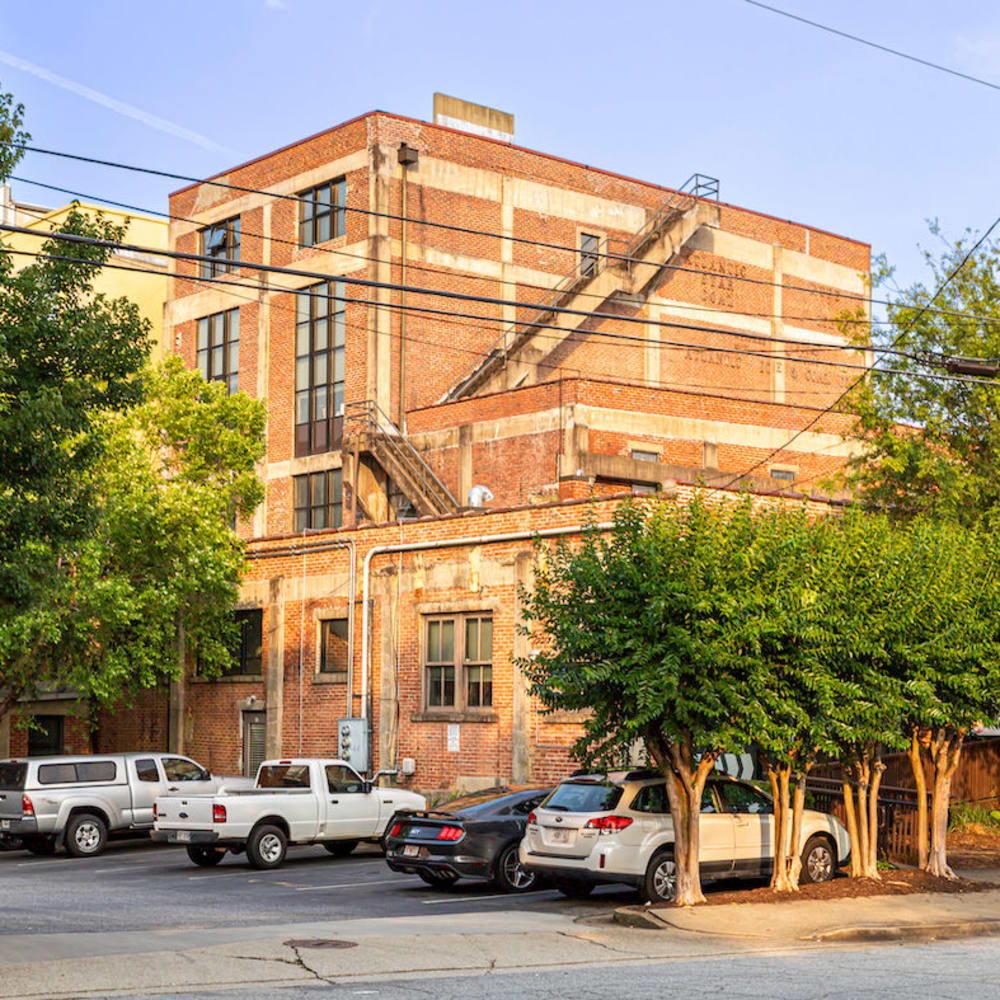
x: 79, y: 801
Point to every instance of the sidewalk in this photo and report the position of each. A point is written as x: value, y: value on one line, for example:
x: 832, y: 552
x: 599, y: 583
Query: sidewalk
x: 870, y: 918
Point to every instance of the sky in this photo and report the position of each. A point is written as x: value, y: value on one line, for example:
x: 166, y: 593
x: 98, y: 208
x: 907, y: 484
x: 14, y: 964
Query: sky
x: 793, y: 121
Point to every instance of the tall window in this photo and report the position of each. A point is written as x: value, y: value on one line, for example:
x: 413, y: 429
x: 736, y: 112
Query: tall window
x: 319, y: 368
x: 247, y: 654
x: 321, y: 215
x: 319, y: 500
x: 219, y: 348
x: 333, y: 646
x: 222, y: 243
x: 458, y: 662
x: 588, y: 254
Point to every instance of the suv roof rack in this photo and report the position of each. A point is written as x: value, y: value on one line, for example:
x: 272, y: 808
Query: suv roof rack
x: 643, y: 772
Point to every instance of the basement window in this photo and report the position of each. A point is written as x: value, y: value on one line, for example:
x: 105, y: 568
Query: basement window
x: 589, y: 242
x: 786, y: 474
x: 645, y: 456
x: 321, y: 215
x: 221, y: 242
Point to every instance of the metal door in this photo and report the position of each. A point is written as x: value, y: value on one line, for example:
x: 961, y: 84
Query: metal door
x: 254, y: 736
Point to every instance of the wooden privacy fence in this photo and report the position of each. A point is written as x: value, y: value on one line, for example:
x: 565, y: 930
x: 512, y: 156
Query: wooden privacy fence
x: 976, y: 780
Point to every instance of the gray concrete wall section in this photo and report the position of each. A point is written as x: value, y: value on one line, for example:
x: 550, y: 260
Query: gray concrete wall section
x: 274, y: 680
x: 521, y: 714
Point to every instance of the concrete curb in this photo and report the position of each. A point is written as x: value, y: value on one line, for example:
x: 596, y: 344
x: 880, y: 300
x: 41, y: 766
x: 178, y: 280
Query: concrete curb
x: 910, y: 932
x: 633, y: 916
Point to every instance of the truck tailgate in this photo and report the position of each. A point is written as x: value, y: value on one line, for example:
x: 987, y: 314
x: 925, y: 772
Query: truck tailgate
x: 184, y: 812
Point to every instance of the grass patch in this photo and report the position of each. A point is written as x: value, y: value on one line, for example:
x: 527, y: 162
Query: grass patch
x: 968, y: 815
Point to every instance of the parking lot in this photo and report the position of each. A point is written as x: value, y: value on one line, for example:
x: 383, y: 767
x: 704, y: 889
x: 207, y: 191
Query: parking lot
x: 137, y: 885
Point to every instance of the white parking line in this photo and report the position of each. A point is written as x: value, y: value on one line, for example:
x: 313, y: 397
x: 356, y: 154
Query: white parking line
x: 357, y: 885
x: 465, y: 899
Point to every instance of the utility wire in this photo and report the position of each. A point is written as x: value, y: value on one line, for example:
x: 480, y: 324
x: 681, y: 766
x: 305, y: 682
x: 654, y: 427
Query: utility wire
x: 872, y: 369
x: 574, y: 373
x: 841, y: 294
x: 411, y: 265
x: 874, y: 45
x: 112, y: 245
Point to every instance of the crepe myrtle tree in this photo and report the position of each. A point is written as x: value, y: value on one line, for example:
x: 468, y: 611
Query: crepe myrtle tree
x: 951, y: 668
x: 650, y: 626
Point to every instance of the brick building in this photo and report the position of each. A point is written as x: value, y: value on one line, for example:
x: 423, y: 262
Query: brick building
x: 614, y: 336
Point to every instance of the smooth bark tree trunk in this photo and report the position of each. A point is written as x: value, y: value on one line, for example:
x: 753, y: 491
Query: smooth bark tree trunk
x: 787, y: 824
x: 920, y: 783
x: 852, y: 826
x: 877, y: 768
x: 946, y: 751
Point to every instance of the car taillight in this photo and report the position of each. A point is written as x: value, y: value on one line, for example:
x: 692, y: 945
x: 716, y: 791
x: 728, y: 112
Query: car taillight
x: 532, y: 818
x: 218, y: 814
x: 608, y: 824
x: 396, y: 827
x: 154, y: 812
x: 26, y: 806
x: 450, y: 833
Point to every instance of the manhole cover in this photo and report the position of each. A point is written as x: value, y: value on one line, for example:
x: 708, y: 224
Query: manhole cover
x: 320, y: 943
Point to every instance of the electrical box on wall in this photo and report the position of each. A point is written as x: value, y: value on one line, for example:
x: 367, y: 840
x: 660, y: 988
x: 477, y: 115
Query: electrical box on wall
x: 352, y: 743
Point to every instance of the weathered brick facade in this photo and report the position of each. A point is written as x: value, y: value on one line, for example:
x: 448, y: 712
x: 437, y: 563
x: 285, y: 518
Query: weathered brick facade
x: 558, y: 424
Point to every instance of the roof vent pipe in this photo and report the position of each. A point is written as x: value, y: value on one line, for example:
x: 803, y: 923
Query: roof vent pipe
x: 479, y: 496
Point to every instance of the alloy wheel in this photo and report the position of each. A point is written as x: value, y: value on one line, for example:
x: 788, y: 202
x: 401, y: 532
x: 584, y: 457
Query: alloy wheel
x: 515, y: 874
x: 269, y: 848
x: 87, y: 837
x: 819, y: 863
x: 665, y: 879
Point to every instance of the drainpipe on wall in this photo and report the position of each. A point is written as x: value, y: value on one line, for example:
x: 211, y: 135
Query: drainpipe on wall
x: 407, y: 155
x: 511, y: 536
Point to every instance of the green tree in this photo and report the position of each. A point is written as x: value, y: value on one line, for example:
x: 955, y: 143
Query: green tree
x: 933, y: 447
x: 647, y: 627
x: 157, y: 578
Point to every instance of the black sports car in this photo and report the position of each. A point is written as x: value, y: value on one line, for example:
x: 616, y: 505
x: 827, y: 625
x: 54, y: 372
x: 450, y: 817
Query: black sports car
x: 475, y: 836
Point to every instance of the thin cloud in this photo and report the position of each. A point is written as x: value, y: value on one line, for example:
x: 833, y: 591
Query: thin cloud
x: 111, y: 103
x: 275, y: 4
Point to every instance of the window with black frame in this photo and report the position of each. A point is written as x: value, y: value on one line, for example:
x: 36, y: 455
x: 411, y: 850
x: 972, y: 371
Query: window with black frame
x: 321, y: 212
x: 333, y: 658
x: 247, y: 653
x: 319, y: 368
x: 221, y: 242
x: 218, y: 351
x: 589, y: 258
x: 319, y: 500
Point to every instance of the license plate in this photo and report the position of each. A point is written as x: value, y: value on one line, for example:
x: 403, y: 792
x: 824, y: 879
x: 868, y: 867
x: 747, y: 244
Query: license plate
x: 183, y: 836
x: 411, y: 851
x: 560, y: 836
x: 4, y: 824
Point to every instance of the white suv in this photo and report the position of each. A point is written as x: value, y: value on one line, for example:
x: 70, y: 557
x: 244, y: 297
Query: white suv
x: 617, y: 828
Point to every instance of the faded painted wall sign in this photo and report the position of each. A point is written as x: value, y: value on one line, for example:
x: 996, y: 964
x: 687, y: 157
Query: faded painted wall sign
x: 453, y: 731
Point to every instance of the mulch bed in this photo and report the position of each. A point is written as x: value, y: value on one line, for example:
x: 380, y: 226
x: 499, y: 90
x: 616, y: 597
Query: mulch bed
x: 974, y: 849
x: 900, y: 882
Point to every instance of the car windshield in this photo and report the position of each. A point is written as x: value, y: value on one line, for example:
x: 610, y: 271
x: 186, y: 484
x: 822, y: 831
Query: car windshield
x: 284, y: 776
x: 583, y: 797
x: 12, y: 775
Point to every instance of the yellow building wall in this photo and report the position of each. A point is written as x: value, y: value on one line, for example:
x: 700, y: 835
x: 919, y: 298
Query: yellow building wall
x: 147, y: 290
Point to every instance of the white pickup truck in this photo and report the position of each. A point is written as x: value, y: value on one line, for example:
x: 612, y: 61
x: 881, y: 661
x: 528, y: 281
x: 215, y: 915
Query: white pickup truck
x: 297, y: 801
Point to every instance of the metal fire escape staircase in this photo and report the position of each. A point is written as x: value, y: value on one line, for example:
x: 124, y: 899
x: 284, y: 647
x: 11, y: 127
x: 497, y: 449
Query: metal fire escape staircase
x: 369, y: 430
x: 623, y: 271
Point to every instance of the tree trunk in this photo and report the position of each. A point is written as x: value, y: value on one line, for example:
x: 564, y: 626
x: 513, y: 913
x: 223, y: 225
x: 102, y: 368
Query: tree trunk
x: 920, y: 783
x: 852, y: 826
x: 798, y: 807
x: 946, y: 750
x: 863, y: 774
x: 876, y: 770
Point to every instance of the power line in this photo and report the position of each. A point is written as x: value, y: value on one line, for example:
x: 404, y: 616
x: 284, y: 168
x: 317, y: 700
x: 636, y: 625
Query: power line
x: 436, y: 270
x: 622, y: 258
x: 578, y: 373
x: 872, y: 369
x: 179, y: 255
x: 875, y: 45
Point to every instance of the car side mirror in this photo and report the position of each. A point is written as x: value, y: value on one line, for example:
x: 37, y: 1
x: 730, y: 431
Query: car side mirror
x: 366, y: 787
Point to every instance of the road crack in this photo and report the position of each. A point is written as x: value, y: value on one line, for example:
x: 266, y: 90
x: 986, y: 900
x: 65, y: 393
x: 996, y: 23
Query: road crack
x: 600, y: 944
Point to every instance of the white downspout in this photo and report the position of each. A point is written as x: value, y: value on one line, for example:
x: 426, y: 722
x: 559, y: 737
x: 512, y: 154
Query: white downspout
x: 511, y: 536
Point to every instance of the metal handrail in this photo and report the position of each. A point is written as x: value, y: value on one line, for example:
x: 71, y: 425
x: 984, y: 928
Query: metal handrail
x: 379, y: 425
x: 698, y: 187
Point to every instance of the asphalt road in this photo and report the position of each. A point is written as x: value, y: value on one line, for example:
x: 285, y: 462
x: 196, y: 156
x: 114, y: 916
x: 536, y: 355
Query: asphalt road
x: 138, y: 885
x: 941, y: 971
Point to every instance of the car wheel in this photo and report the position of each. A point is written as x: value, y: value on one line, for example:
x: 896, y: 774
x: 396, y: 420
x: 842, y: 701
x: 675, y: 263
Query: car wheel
x: 340, y: 848
x: 574, y: 889
x: 205, y: 857
x: 266, y: 847
x: 439, y: 880
x: 86, y: 835
x: 660, y: 883
x: 510, y: 876
x: 819, y: 863
x: 42, y: 846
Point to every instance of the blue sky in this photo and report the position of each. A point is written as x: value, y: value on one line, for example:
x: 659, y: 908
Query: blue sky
x: 794, y: 122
